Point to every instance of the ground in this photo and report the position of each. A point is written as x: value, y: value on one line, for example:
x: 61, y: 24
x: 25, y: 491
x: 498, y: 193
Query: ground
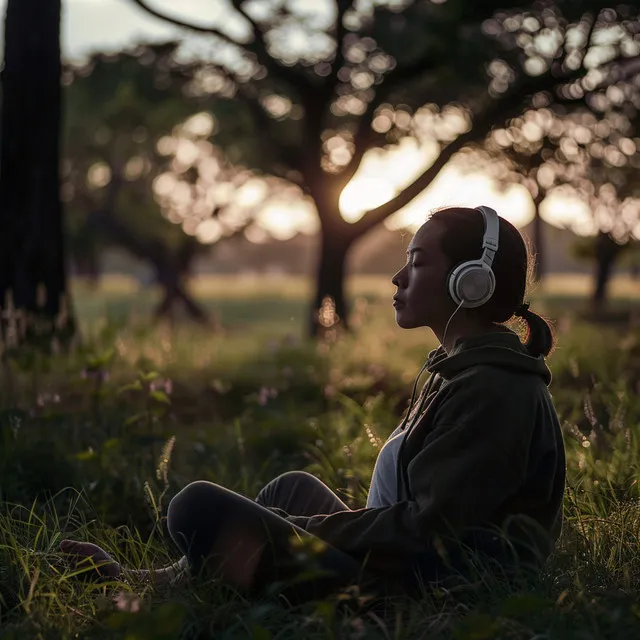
x: 93, y: 444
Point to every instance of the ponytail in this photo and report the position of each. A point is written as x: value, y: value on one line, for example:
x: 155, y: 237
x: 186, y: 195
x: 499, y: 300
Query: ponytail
x: 540, y: 339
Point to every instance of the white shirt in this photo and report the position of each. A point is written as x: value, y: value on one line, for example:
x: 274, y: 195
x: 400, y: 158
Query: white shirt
x: 383, y: 491
x: 384, y: 486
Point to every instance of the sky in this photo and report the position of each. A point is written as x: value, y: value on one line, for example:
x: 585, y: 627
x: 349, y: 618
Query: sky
x: 90, y: 25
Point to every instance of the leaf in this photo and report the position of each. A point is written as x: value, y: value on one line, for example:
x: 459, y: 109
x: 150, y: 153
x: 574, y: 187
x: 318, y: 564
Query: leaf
x: 133, y: 419
x: 477, y: 626
x: 220, y: 387
x: 134, y: 386
x: 260, y: 633
x: 149, y: 377
x: 89, y: 454
x: 523, y: 604
x: 160, y: 396
x: 325, y: 610
x: 98, y: 361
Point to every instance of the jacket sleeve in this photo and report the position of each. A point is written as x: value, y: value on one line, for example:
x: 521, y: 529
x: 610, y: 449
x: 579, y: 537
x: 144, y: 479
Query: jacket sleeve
x: 473, y: 458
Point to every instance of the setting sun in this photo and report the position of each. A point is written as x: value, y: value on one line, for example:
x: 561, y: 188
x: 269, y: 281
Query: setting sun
x: 384, y: 173
x: 363, y: 194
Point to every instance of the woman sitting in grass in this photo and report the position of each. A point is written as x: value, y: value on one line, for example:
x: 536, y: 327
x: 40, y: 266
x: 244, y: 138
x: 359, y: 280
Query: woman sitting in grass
x: 476, y: 469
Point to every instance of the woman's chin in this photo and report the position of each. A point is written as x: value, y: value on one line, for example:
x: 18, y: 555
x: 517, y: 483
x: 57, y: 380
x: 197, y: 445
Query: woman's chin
x: 403, y: 320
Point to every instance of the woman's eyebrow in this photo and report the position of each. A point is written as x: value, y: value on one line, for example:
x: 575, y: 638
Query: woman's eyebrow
x: 414, y: 250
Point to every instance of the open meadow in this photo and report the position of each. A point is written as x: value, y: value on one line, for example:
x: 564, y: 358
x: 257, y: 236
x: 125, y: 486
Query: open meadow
x: 95, y: 442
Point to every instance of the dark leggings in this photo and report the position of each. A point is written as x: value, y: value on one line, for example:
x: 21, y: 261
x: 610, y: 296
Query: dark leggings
x: 202, y: 510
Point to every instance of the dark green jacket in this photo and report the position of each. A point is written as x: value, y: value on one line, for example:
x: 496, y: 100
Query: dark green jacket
x: 486, y: 445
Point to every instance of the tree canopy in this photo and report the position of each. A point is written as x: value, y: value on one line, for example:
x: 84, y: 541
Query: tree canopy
x: 140, y: 172
x: 323, y: 83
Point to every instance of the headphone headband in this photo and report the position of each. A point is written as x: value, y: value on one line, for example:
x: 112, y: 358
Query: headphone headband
x: 491, y: 233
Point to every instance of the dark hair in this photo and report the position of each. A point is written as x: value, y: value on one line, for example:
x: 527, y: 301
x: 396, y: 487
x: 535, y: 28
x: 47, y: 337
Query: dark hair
x: 512, y: 267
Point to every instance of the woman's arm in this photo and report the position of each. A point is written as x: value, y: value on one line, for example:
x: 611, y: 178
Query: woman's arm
x: 474, y: 457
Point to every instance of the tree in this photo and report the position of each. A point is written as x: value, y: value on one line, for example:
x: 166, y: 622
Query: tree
x: 139, y: 172
x: 322, y: 92
x: 590, y: 151
x: 118, y: 107
x: 32, y: 272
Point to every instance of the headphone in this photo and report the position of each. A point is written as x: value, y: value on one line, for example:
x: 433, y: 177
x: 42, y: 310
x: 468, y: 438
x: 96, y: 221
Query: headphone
x: 471, y: 284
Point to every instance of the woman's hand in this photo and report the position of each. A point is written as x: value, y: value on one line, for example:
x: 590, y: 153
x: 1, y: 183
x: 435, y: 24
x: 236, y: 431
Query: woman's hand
x: 88, y: 556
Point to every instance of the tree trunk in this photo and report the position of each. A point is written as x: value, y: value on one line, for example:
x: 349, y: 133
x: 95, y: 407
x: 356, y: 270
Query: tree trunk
x: 329, y: 310
x: 170, y: 271
x: 538, y: 241
x: 32, y: 269
x: 607, y: 251
x: 174, y: 294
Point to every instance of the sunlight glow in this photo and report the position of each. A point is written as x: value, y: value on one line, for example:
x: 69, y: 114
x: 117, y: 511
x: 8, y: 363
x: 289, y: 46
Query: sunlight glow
x: 284, y: 219
x: 200, y: 125
x: 384, y: 173
x: 209, y: 231
x: 251, y: 193
x: 451, y: 188
x: 561, y: 210
x: 361, y: 195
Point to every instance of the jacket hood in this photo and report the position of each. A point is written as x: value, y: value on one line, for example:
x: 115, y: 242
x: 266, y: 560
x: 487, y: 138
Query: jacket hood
x: 503, y: 349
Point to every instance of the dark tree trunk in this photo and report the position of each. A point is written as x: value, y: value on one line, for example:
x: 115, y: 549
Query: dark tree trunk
x: 170, y: 271
x: 31, y: 229
x: 175, y: 294
x: 329, y: 309
x: 607, y: 251
x: 538, y: 241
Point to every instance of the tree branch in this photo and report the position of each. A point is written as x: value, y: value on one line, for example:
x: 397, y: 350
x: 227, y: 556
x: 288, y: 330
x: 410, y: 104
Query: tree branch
x: 186, y: 25
x: 257, y: 47
x: 361, y: 141
x: 502, y: 110
x: 411, y: 71
x: 363, y: 135
x: 126, y: 238
x: 589, y: 36
x: 258, y: 36
x: 290, y: 154
x: 342, y: 6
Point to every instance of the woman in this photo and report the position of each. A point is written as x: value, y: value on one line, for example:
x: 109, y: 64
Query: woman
x: 477, y: 465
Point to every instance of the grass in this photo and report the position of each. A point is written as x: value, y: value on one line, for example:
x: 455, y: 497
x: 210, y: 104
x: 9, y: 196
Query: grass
x: 94, y: 443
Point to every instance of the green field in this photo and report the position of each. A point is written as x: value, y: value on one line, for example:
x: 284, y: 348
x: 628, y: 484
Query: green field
x: 111, y: 456
x: 277, y: 304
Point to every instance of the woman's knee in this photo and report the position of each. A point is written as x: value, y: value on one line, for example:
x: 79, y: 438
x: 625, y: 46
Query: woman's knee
x: 298, y: 476
x: 284, y: 485
x: 202, y: 519
x: 194, y: 516
x: 291, y: 479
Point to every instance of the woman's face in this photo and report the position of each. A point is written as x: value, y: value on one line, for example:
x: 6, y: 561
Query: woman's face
x: 422, y: 299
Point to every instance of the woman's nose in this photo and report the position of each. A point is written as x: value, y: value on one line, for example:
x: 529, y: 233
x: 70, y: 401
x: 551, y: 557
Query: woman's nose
x: 398, y: 278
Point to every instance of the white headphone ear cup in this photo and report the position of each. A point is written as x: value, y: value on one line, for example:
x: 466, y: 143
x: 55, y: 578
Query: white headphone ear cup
x: 472, y: 284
